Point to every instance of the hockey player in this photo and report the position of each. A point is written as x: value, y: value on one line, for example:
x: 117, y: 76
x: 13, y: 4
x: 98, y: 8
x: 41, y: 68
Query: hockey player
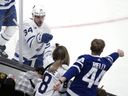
x: 53, y: 73
x: 36, y: 37
x: 7, y: 15
x: 89, y: 70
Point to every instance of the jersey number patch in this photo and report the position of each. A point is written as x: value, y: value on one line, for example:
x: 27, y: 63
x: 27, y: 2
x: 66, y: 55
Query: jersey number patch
x: 91, y: 78
x: 28, y: 30
x: 44, y: 85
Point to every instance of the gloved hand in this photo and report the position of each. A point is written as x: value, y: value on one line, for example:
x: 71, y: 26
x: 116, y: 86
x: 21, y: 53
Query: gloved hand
x: 46, y: 37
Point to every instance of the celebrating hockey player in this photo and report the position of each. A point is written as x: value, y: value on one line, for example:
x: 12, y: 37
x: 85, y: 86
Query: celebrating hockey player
x: 88, y: 70
x: 7, y: 15
x: 36, y: 37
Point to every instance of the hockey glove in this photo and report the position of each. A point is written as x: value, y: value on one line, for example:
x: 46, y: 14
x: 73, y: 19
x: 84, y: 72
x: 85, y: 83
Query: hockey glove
x: 46, y: 37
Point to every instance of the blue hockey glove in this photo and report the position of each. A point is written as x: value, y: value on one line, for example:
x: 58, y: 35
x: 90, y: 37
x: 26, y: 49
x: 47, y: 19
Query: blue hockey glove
x: 46, y: 37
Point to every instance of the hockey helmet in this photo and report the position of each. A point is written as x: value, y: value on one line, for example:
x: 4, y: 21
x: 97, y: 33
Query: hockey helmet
x: 38, y: 11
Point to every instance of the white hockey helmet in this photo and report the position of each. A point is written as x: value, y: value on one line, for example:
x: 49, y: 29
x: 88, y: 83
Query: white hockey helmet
x: 38, y: 11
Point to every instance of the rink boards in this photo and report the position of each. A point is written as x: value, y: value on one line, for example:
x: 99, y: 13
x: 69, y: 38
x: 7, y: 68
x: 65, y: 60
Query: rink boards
x: 12, y: 67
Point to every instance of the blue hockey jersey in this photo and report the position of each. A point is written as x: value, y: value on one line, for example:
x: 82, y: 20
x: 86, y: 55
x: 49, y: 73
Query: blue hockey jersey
x: 88, y: 70
x: 6, y: 4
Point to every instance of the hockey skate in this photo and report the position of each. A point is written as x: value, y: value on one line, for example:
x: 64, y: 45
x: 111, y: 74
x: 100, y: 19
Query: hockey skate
x: 2, y: 52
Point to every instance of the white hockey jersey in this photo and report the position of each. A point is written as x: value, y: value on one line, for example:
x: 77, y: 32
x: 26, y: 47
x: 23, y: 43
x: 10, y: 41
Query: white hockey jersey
x: 31, y: 36
x: 47, y: 56
x: 45, y: 88
x: 6, y: 4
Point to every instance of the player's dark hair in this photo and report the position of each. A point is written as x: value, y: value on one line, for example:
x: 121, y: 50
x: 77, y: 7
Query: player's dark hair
x: 57, y: 44
x: 60, y: 56
x: 61, y: 53
x: 97, y: 46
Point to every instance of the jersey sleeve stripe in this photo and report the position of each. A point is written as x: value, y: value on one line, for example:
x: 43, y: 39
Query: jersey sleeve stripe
x: 78, y: 68
x: 7, y: 6
x: 80, y: 64
x: 30, y: 45
x: 30, y: 38
x: 29, y: 41
x: 110, y: 59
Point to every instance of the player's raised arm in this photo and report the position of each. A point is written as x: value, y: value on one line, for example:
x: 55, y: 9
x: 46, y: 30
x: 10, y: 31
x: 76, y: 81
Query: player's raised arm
x: 88, y: 70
